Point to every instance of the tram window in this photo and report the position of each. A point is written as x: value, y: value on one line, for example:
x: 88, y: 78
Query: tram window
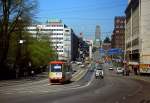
x: 65, y: 68
x: 56, y: 68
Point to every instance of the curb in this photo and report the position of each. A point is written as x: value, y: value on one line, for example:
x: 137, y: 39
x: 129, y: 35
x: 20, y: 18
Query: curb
x: 140, y: 78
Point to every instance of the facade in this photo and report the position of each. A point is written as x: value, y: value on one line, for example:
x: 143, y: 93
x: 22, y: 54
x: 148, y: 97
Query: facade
x: 106, y: 46
x: 97, y: 36
x: 118, y: 36
x: 90, y: 45
x: 137, y: 33
x: 59, y: 35
x: 74, y: 46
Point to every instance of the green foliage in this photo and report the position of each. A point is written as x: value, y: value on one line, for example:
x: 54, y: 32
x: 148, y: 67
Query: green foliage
x: 40, y: 52
x: 107, y: 40
x: 14, y: 15
x: 12, y: 52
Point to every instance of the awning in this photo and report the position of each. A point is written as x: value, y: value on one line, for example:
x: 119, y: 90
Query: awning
x: 133, y: 63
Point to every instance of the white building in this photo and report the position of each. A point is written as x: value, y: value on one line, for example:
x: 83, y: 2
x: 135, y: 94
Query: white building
x: 137, y: 34
x: 58, y: 33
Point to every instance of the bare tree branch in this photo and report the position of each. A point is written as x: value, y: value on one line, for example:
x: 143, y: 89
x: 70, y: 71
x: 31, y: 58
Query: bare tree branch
x: 10, y: 11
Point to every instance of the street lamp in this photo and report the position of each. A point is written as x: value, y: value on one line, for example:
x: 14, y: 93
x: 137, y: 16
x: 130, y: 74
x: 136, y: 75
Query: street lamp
x: 18, y: 53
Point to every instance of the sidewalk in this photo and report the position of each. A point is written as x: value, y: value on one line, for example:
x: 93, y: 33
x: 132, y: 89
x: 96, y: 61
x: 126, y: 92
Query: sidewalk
x: 23, y: 80
x: 145, y: 78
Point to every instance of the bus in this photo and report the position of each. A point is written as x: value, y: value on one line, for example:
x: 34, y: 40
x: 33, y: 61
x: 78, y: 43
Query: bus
x: 60, y: 71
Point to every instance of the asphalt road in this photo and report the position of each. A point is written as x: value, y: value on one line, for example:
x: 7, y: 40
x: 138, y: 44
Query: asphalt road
x: 112, y: 89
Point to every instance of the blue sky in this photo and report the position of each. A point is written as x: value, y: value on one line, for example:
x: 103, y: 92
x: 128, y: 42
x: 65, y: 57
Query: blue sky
x: 83, y: 15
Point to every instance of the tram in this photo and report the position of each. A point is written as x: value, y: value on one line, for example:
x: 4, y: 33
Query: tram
x: 59, y: 71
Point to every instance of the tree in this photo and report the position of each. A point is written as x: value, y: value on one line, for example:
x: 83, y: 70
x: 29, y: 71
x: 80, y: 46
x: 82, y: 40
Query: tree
x: 14, y: 14
x: 107, y: 40
x: 40, y: 52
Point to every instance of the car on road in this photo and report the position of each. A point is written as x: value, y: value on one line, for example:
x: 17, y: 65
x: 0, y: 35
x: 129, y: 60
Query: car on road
x: 110, y: 68
x: 119, y: 70
x: 99, y: 73
x: 78, y: 62
x: 72, y: 62
x: 82, y: 66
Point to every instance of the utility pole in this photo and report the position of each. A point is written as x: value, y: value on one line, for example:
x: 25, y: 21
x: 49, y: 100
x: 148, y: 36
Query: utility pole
x: 18, y: 53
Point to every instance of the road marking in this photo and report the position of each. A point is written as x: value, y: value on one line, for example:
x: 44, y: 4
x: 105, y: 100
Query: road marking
x: 22, y: 90
x: 73, y: 87
x: 89, y: 83
x: 30, y: 91
x: 77, y: 73
x: 47, y: 84
x: 45, y: 91
x: 9, y: 93
x: 18, y: 89
x: 80, y: 76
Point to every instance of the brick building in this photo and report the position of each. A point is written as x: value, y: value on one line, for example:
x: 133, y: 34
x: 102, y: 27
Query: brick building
x: 118, y: 36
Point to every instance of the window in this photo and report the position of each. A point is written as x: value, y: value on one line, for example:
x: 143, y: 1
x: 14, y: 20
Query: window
x: 56, y: 68
x: 66, y: 30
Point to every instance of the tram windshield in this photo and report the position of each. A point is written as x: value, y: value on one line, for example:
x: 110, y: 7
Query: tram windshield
x: 56, y: 67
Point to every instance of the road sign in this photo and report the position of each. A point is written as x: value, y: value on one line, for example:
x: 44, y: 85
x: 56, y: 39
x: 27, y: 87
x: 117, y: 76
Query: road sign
x: 115, y: 51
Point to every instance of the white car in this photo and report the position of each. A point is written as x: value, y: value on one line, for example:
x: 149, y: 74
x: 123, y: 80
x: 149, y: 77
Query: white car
x: 110, y: 68
x: 82, y: 66
x: 119, y: 70
x: 79, y: 63
x: 99, y: 73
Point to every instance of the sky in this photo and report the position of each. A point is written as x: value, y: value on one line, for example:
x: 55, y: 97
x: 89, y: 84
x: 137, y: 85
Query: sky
x: 83, y: 15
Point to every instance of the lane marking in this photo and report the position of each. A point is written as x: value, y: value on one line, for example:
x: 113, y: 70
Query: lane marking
x: 86, y: 85
x: 9, y: 93
x: 45, y: 91
x: 78, y: 73
x: 30, y: 91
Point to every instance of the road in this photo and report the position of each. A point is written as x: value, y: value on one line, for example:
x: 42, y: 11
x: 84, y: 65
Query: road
x: 113, y: 88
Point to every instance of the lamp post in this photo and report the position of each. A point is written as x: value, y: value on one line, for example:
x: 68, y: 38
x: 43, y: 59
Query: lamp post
x: 20, y: 41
